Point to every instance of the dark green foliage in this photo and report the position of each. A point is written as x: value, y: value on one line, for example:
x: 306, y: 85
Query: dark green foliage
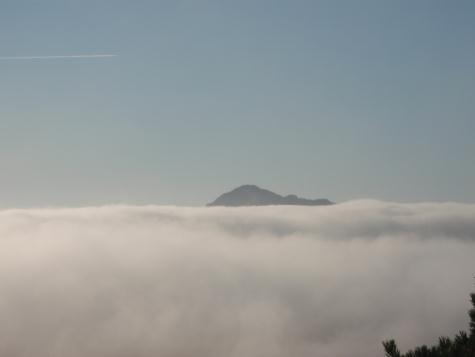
x: 463, y: 345
x: 472, y: 317
x: 391, y: 349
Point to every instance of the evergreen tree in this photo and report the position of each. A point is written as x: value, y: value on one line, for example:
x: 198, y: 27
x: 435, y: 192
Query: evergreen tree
x: 463, y: 345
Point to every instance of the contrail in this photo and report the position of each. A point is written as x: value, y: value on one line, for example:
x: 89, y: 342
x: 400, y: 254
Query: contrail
x: 56, y: 57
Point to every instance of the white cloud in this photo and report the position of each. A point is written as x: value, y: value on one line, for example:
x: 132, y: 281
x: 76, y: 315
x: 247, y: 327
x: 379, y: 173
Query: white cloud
x: 263, y: 281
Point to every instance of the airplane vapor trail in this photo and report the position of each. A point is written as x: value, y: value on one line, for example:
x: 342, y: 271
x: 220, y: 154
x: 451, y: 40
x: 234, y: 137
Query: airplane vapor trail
x: 57, y: 57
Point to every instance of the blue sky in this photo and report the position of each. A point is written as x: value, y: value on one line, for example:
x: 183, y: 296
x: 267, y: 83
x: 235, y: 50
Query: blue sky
x: 341, y: 99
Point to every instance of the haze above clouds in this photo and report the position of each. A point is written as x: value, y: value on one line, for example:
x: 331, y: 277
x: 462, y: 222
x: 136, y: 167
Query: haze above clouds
x: 264, y: 281
x: 339, y: 99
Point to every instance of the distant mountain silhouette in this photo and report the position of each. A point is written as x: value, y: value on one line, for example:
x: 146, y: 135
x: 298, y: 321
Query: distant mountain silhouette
x: 251, y: 195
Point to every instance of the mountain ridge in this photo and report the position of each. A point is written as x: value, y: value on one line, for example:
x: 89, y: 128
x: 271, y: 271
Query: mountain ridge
x: 252, y: 195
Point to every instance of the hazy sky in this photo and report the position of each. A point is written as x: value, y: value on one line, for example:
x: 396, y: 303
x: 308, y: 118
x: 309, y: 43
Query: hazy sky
x: 340, y: 99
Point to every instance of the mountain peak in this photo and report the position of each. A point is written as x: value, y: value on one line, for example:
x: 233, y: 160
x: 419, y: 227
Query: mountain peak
x: 247, y: 187
x: 252, y: 195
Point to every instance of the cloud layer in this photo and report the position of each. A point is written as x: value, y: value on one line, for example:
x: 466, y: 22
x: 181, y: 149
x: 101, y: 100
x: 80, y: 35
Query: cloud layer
x: 264, y: 281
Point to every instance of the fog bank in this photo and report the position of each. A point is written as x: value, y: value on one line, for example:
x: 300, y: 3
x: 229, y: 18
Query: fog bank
x: 276, y: 281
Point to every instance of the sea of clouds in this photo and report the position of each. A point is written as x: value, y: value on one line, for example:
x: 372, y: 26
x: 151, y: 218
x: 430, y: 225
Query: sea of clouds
x: 124, y: 281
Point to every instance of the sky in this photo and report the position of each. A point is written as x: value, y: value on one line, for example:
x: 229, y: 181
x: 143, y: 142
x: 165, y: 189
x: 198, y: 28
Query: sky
x: 336, y: 99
